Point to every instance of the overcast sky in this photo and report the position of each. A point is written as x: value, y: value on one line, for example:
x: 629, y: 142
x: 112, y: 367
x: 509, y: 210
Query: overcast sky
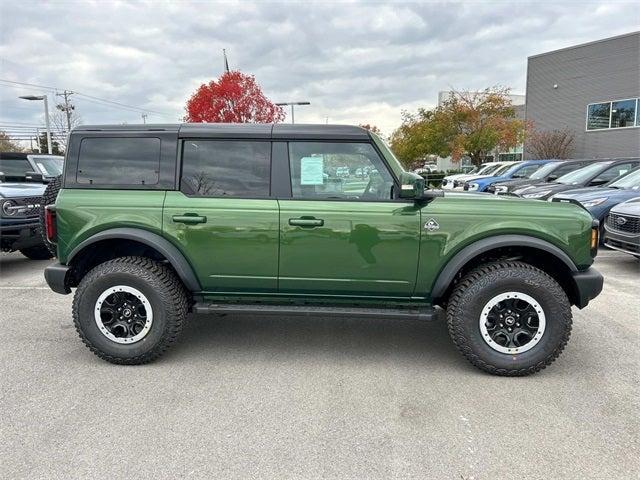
x: 356, y: 62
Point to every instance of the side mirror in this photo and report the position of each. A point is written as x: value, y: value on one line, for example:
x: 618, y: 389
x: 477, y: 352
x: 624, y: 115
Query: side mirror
x: 411, y: 186
x: 597, y: 182
x: 33, y: 176
x: 552, y: 178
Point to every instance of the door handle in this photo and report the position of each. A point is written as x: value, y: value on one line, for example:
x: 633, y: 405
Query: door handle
x: 306, y: 222
x: 189, y: 219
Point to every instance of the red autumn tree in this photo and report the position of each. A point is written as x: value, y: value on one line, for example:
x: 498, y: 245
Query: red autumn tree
x: 233, y: 98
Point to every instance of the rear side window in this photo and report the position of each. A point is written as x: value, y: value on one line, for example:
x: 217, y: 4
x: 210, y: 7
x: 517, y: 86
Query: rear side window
x: 226, y: 168
x: 119, y: 161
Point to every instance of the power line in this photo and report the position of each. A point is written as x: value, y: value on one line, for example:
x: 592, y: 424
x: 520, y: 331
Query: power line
x: 93, y: 97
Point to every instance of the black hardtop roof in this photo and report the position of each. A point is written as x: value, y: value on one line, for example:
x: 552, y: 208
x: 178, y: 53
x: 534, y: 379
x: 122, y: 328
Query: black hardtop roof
x: 241, y: 130
x: 14, y: 155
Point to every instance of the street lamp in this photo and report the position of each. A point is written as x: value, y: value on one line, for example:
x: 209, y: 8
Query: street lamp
x: 282, y: 104
x: 46, y: 116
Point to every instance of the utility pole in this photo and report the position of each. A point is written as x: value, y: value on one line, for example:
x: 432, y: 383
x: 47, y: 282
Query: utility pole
x: 67, y: 107
x: 144, y: 118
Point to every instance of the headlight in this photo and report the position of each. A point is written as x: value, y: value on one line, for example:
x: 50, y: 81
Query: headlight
x: 595, y: 202
x: 537, y: 194
x: 473, y: 186
x: 9, y: 208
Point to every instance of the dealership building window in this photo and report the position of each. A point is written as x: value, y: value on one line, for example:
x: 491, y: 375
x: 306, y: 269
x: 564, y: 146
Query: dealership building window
x: 614, y: 114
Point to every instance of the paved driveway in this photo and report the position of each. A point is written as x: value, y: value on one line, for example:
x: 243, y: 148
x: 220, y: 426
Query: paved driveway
x: 245, y: 397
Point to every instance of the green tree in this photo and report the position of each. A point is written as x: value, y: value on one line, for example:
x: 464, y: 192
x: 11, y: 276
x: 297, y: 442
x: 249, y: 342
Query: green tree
x: 467, y: 123
x: 55, y: 146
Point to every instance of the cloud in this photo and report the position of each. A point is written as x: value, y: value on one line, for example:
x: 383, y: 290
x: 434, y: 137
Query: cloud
x: 355, y: 62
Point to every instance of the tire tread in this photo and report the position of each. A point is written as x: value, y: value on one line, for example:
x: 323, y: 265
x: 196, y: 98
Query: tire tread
x: 454, y: 311
x: 172, y: 291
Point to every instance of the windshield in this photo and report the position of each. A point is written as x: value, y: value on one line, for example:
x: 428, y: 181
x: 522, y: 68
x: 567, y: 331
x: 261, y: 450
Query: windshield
x: 544, y: 171
x: 579, y: 176
x: 393, y: 162
x: 49, y: 166
x: 491, y: 168
x: 14, y: 167
x: 631, y: 181
x: 484, y: 168
x: 499, y: 171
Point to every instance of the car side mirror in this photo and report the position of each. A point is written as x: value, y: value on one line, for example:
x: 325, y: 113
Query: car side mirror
x: 597, y: 183
x: 33, y: 176
x: 552, y: 178
x: 411, y: 185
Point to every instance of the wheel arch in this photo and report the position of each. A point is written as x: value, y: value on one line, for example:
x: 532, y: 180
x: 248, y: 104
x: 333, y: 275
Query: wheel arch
x: 533, y: 250
x: 120, y: 242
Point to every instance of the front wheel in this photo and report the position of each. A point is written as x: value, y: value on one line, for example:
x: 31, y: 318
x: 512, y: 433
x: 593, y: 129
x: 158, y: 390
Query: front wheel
x: 129, y: 310
x: 509, y: 318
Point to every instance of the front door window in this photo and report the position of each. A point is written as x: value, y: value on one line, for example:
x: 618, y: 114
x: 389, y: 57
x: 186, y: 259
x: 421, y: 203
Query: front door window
x: 324, y: 170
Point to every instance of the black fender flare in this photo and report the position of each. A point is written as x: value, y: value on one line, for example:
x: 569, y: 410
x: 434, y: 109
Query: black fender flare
x: 449, y: 272
x: 153, y: 240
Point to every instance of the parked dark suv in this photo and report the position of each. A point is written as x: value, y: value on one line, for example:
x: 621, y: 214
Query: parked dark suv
x: 155, y: 221
x: 22, y: 184
x: 622, y: 227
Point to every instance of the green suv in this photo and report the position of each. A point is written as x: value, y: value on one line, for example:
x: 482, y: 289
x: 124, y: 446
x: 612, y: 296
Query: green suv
x: 152, y: 222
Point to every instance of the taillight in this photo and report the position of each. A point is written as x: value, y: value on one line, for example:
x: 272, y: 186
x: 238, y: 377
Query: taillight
x: 50, y: 223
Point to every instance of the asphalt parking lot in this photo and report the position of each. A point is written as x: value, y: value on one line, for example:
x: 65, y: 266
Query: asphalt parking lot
x: 245, y: 397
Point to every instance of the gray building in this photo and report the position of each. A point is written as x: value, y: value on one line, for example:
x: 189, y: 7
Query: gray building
x: 591, y: 90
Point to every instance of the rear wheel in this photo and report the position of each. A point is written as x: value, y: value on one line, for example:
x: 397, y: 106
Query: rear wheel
x: 39, y: 252
x: 130, y: 310
x: 509, y: 318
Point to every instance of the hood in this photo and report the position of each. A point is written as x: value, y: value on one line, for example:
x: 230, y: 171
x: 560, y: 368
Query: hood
x: 16, y: 190
x: 587, y: 192
x: 517, y: 182
x: 630, y: 207
x: 456, y: 176
x: 549, y: 189
x: 471, y: 178
x: 584, y: 194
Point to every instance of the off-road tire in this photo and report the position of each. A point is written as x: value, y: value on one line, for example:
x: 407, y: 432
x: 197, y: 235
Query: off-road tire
x: 49, y: 198
x: 164, y: 291
x: 39, y: 252
x: 473, y: 292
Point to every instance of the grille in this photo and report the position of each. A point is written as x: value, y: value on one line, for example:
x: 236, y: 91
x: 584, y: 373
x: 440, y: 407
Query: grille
x: 33, y: 204
x: 623, y: 223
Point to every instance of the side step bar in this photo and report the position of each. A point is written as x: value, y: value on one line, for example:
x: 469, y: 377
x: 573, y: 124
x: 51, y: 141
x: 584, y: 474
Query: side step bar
x: 424, y: 313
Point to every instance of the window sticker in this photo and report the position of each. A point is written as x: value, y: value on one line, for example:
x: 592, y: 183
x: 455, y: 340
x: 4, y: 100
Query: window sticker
x: 311, y: 171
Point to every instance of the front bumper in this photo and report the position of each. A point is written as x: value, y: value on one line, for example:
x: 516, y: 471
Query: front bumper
x: 625, y: 242
x: 16, y: 234
x: 588, y: 286
x: 57, y: 277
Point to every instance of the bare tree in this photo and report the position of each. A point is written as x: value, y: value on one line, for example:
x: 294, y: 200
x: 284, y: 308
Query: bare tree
x: 550, y: 143
x: 59, y: 127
